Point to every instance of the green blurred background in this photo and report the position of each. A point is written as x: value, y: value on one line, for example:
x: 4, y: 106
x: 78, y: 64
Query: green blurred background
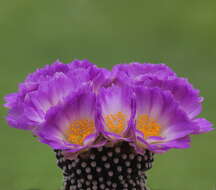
x: 180, y: 33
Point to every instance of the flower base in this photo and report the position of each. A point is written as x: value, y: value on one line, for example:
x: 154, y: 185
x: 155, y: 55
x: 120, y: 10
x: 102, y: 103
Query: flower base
x: 117, y: 167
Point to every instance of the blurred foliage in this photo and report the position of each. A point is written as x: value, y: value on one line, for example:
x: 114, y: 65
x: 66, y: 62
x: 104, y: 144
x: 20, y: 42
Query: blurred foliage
x: 181, y: 34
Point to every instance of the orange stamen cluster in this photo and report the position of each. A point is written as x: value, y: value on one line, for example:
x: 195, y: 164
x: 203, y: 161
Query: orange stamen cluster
x: 116, y: 122
x: 79, y: 130
x: 148, y: 126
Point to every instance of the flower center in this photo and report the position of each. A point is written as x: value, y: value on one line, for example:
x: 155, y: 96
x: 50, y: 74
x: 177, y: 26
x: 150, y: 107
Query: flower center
x: 116, y: 122
x: 148, y: 126
x: 79, y: 130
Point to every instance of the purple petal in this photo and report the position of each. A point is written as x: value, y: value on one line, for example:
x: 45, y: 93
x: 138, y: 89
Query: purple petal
x: 182, y: 91
x: 47, y: 72
x: 10, y: 100
x: 202, y: 126
x: 28, y: 111
x: 162, y: 147
x: 136, y: 70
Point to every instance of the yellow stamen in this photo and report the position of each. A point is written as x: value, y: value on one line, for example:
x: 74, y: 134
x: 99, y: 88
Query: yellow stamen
x: 116, y: 122
x: 79, y: 130
x: 148, y: 126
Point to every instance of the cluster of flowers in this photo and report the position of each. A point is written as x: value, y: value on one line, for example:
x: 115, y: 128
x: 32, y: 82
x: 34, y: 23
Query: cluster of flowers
x: 76, y: 106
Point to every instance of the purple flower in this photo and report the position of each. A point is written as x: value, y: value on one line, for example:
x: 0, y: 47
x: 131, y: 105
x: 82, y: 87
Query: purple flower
x: 166, y: 106
x: 76, y: 106
x: 48, y: 87
x: 117, y: 112
x: 159, y: 120
x: 72, y: 125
